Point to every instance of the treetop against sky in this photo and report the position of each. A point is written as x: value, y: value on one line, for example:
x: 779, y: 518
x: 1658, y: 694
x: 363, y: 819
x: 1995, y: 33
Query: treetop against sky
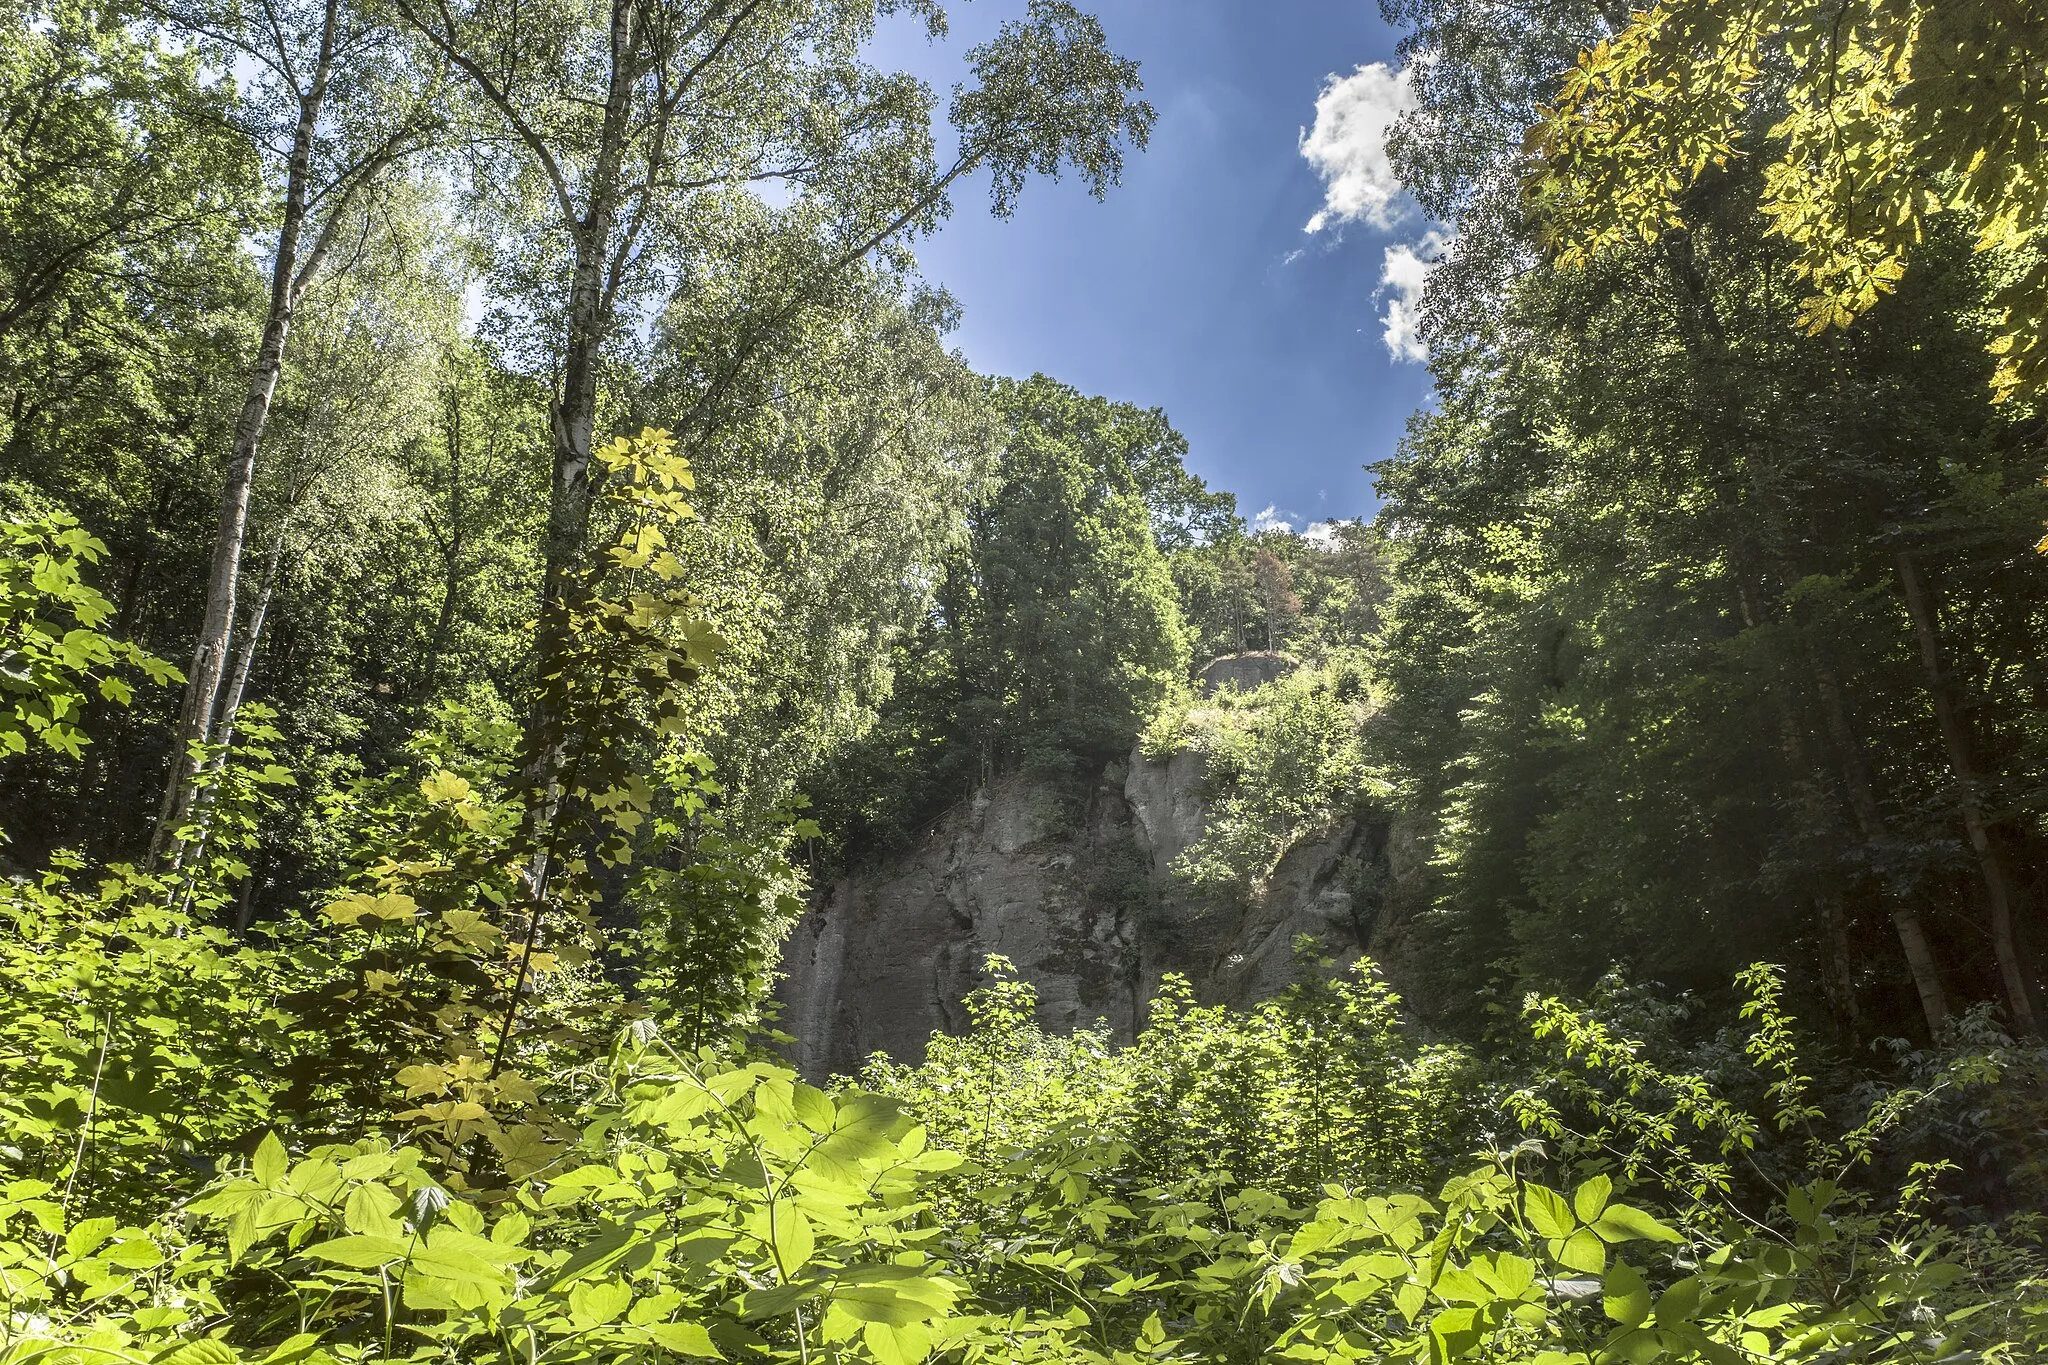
x: 1255, y: 274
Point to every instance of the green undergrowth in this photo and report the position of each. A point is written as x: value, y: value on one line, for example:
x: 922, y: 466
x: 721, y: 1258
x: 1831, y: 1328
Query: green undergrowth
x: 1286, y: 1184
x: 500, y: 1096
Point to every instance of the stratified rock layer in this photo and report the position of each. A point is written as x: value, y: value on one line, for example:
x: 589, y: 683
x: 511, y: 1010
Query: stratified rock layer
x: 1082, y: 901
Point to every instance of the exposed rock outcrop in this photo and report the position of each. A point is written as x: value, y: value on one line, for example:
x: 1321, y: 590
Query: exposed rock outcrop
x: 1245, y: 672
x: 1079, y: 895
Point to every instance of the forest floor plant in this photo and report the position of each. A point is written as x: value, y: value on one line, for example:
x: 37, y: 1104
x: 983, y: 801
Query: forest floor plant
x: 709, y: 1209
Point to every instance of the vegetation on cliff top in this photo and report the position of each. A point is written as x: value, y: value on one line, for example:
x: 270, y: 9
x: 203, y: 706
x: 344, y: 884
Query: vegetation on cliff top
x: 407, y: 784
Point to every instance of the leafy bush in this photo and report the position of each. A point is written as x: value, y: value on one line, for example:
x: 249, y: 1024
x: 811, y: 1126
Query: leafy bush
x: 1319, y: 1084
x: 51, y: 646
x: 736, y: 1212
x: 1282, y: 762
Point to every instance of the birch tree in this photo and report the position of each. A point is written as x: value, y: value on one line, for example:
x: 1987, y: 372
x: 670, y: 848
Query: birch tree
x: 634, y: 123
x: 329, y: 101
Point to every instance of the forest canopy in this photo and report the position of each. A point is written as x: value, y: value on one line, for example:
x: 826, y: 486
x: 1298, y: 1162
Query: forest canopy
x: 496, y: 529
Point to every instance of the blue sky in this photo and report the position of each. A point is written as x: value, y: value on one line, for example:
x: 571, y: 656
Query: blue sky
x: 1195, y: 286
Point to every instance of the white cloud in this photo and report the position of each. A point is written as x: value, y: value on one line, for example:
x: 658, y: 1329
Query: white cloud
x: 1348, y: 146
x: 1273, y: 519
x: 1403, y: 274
x: 1324, y: 533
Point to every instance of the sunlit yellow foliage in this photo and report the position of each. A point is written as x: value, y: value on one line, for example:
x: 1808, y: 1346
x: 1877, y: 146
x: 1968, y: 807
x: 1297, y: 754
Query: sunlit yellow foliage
x: 1886, y: 112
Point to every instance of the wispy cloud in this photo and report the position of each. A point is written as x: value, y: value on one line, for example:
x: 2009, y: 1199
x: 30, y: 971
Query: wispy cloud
x: 1273, y: 519
x: 1403, y: 274
x: 1322, y: 534
x: 1348, y: 146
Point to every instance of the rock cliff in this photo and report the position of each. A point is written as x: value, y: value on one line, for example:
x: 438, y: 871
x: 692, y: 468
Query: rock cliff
x: 1245, y: 672
x: 1079, y: 895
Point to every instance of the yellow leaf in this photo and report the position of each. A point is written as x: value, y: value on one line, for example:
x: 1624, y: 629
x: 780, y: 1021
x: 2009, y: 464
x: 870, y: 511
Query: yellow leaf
x: 423, y: 1080
x: 445, y: 788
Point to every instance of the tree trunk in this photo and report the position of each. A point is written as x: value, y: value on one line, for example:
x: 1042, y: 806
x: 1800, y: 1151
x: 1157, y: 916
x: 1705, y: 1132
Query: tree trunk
x: 1704, y: 336
x: 287, y: 283
x: 1838, y: 972
x: 575, y: 415
x: 1961, y: 748
x: 573, y: 425
x: 1862, y: 803
x: 231, y: 705
x: 451, y: 547
x: 573, y: 422
x: 1862, y: 798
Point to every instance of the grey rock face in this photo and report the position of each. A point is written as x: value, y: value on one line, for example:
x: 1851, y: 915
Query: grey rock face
x: 1083, y: 902
x: 1165, y: 797
x: 1245, y: 672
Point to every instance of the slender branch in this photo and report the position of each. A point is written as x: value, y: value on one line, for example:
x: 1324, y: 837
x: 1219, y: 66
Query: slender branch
x: 92, y: 1113
x: 448, y: 47
x: 540, y: 899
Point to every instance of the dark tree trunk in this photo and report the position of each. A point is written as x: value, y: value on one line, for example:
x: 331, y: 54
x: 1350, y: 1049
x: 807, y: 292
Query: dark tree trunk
x: 1862, y: 799
x: 223, y: 728
x: 1967, y: 774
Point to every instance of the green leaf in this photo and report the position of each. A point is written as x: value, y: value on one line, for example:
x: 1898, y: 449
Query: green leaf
x: 1590, y: 1199
x: 881, y: 1303
x: 1454, y: 1331
x: 268, y: 1165
x: 205, y: 1351
x: 134, y: 1253
x: 1679, y: 1302
x: 371, y: 1209
x: 1583, y: 1252
x: 293, y: 1348
x: 1462, y: 1286
x: 897, y: 1343
x: 599, y: 1254
x: 457, y: 1267
x: 456, y: 1242
x: 445, y: 788
x: 794, y: 1240
x: 1627, y: 1299
x: 1548, y: 1213
x: 892, y: 1294
x: 1508, y: 1275
x: 85, y: 1238
x: 1620, y: 1223
x: 593, y: 1305
x: 864, y: 1126
x: 813, y: 1108
x: 360, y: 1252
x: 685, y: 1339
x: 1313, y: 1237
x: 512, y: 1229
x: 774, y: 1301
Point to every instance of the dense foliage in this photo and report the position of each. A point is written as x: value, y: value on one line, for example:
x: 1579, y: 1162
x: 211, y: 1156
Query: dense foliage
x: 1280, y: 763
x: 533, y: 428
x: 1711, y: 637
